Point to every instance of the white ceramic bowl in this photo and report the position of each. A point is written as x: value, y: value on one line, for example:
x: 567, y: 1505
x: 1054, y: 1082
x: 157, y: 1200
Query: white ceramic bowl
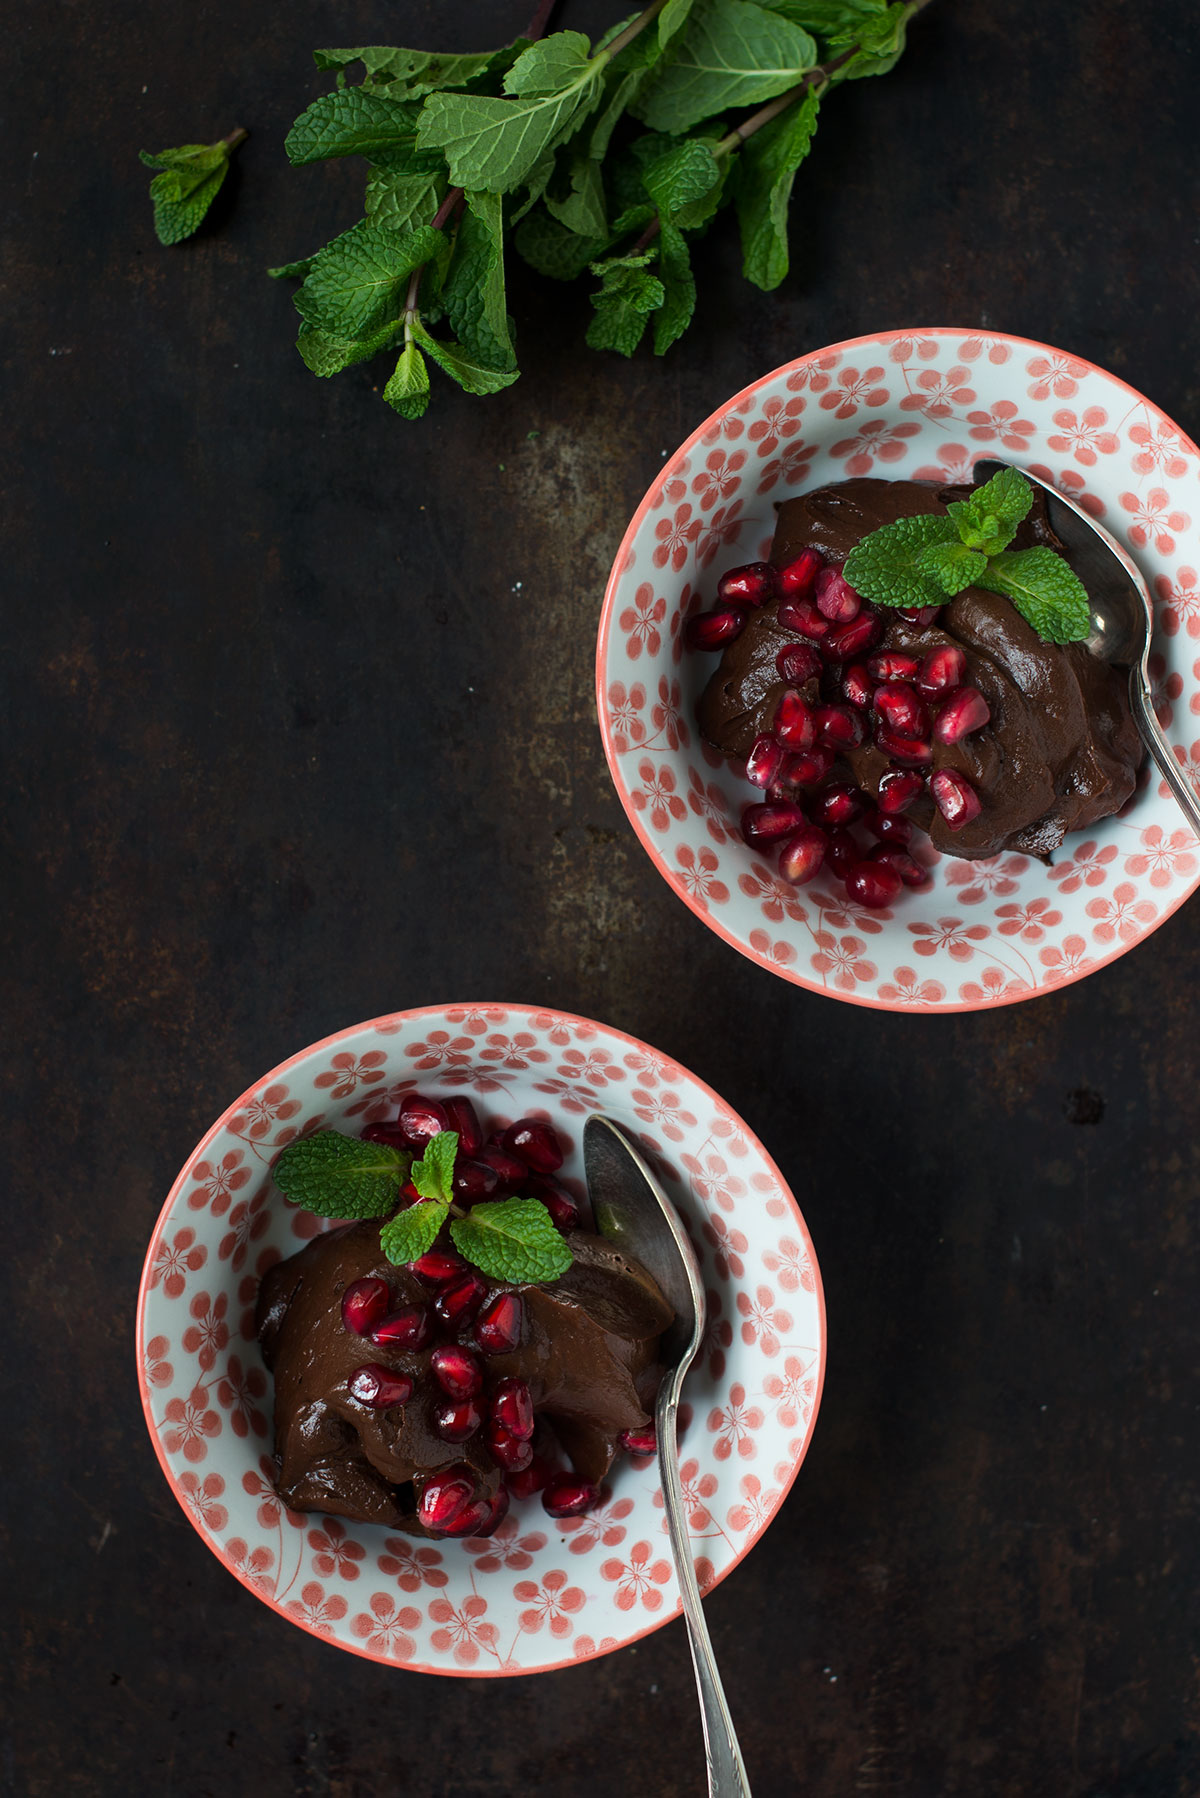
x: 902, y: 404
x: 540, y: 1593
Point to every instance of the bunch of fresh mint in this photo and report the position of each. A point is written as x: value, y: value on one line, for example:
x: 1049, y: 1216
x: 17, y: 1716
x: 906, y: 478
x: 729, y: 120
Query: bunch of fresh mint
x: 532, y: 145
x: 925, y: 561
x: 344, y: 1177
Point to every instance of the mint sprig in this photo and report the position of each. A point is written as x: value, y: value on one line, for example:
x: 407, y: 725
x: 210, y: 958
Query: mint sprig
x: 189, y: 181
x: 519, y: 148
x: 343, y: 1177
x: 924, y: 561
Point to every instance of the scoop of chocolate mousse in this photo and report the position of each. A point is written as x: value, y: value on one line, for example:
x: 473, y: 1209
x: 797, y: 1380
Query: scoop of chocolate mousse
x: 588, y: 1353
x: 1061, y: 749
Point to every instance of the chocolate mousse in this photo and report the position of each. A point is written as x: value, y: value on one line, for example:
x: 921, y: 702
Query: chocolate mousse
x: 419, y: 1396
x: 1057, y: 749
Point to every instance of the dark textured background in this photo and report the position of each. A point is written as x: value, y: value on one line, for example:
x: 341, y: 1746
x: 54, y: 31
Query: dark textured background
x: 286, y: 750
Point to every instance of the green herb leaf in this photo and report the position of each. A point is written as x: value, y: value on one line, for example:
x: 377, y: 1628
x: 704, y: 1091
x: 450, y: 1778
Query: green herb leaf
x: 679, y: 288
x: 886, y: 566
x: 553, y: 250
x: 408, y: 390
x: 583, y: 209
x: 472, y: 375
x: 987, y: 519
x: 190, y: 181
x: 766, y: 169
x: 341, y: 1176
x: 628, y: 294
x: 417, y: 72
x: 951, y: 565
x: 1045, y: 590
x: 352, y: 121
x: 410, y: 1234
x: 325, y: 354
x: 512, y: 1239
x: 402, y: 201
x: 681, y: 176
x: 474, y: 293
x: 359, y: 279
x: 433, y: 1175
x: 731, y: 53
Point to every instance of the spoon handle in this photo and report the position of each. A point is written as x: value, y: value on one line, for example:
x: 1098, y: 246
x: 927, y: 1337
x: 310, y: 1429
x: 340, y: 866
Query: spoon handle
x: 726, y: 1772
x: 1156, y: 742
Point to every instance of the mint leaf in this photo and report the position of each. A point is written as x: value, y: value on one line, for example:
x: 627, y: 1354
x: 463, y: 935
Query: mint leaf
x: 681, y: 176
x: 474, y: 293
x: 628, y: 295
x: 583, y: 209
x: 987, y: 519
x: 512, y: 1239
x: 416, y: 72
x: 766, y: 169
x: 553, y: 250
x: 679, y: 288
x: 885, y: 566
x: 408, y: 390
x: 1045, y: 590
x: 341, y: 1176
x: 433, y: 1175
x: 672, y: 19
x: 325, y: 354
x: 731, y: 53
x: 190, y: 180
x: 359, y: 278
x: 472, y: 375
x: 951, y: 565
x: 408, y: 1235
x: 353, y: 121
x: 402, y: 201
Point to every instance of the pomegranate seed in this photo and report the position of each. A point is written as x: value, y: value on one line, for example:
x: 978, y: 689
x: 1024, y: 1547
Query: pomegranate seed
x: 409, y: 1328
x: 857, y: 686
x: 389, y: 1133
x: 457, y: 1303
x: 797, y: 664
x: 808, y: 770
x: 794, y: 725
x: 482, y: 1518
x: 420, y: 1119
x: 902, y: 749
x: 802, y: 616
x: 446, y: 1496
x: 890, y: 827
x: 410, y: 1195
x: 918, y: 615
x: 711, y: 630
x: 457, y: 1371
x: 893, y: 667
x: 379, y: 1387
x: 437, y: 1266
x: 474, y: 1180
x: 841, y: 851
x: 562, y: 1205
x: 852, y: 638
x: 802, y: 855
x: 901, y: 862
x: 767, y: 823
x: 963, y: 710
x: 897, y: 789
x: 751, y: 585
x: 535, y: 1143
x: 838, y: 804
x: 764, y: 762
x: 955, y: 798
x: 796, y: 578
x: 513, y: 1453
x: 942, y: 669
x: 840, y: 726
x: 364, y: 1304
x: 530, y: 1479
x: 499, y: 1325
x: 456, y: 1422
x: 509, y: 1170
x: 901, y: 707
x: 512, y: 1408
x: 639, y: 1442
x: 836, y: 598
x: 465, y: 1119
x: 873, y: 884
x: 566, y: 1496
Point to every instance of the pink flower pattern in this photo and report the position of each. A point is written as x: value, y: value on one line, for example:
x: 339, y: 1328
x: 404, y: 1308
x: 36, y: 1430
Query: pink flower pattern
x: 639, y: 1580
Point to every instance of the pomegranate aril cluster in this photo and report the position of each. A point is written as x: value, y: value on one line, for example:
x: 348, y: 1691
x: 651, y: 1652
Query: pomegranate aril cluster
x: 839, y: 692
x: 466, y: 1319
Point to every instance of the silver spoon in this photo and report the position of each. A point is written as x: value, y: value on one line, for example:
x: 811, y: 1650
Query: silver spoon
x: 1122, y: 618
x: 635, y: 1214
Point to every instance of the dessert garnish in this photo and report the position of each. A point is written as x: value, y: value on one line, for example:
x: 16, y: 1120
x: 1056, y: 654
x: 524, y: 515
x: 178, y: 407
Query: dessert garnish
x: 503, y: 1335
x: 911, y: 656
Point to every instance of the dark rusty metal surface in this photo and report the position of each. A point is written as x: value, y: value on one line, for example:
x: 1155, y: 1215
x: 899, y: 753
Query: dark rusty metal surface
x: 289, y: 746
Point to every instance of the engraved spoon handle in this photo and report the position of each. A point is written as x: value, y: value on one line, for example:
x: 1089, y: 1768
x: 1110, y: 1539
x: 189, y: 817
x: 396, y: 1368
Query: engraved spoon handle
x: 1156, y: 742
x: 726, y: 1772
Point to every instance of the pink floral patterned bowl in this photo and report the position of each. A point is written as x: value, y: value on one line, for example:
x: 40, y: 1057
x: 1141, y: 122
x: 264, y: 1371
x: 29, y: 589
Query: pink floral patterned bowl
x: 923, y: 404
x: 540, y: 1593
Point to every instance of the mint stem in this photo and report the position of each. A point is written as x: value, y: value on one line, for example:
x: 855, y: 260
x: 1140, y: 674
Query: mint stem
x: 237, y: 136
x: 541, y: 18
x: 632, y: 30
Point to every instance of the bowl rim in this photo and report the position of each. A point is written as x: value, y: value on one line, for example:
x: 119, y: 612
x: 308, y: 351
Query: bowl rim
x: 894, y: 334
x: 405, y: 1016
